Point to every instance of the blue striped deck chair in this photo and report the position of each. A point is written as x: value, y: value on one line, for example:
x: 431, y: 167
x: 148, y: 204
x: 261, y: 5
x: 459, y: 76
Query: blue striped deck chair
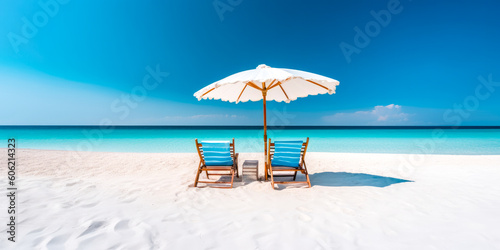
x: 217, y: 157
x: 286, y: 157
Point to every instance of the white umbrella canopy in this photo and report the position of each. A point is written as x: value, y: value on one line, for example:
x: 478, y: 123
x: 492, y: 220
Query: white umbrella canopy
x: 266, y: 83
x: 279, y: 84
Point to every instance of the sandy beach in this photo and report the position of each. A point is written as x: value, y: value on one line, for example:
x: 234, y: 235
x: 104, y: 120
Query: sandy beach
x: 70, y: 200
x: 108, y: 106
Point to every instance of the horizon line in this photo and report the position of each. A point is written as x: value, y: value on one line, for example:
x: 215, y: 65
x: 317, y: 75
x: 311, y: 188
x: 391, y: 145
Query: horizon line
x: 259, y: 126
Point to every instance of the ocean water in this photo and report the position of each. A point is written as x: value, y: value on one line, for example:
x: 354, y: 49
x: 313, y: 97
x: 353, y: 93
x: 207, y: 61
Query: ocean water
x: 250, y: 139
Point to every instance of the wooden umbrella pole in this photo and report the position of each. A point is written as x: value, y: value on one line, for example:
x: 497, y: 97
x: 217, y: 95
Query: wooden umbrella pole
x: 264, y: 93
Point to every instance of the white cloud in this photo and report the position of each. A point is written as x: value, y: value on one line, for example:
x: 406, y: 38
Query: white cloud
x: 379, y: 115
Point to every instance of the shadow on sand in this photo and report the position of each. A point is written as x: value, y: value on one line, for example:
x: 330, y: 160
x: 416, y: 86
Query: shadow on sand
x: 344, y: 179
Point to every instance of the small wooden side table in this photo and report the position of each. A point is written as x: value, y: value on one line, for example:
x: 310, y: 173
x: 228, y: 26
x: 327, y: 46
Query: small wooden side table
x: 250, y: 167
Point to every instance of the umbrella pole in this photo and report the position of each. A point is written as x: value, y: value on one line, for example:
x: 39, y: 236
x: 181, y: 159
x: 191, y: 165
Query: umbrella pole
x: 264, y: 93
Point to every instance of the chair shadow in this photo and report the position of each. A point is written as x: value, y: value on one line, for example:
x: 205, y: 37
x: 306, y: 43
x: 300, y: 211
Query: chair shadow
x: 345, y: 179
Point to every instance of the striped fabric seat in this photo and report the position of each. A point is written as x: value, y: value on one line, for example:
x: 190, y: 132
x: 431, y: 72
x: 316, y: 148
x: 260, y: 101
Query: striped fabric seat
x: 287, y: 153
x: 217, y: 153
x: 217, y: 158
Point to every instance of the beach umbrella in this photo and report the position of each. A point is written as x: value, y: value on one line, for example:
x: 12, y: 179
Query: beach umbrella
x: 267, y: 84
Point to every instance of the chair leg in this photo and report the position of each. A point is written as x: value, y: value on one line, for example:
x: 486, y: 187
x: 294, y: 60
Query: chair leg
x: 237, y: 172
x: 308, y: 181
x: 197, y: 176
x: 206, y: 172
x: 307, y: 174
x: 232, y: 177
x: 272, y: 177
x: 295, y: 175
x: 236, y: 165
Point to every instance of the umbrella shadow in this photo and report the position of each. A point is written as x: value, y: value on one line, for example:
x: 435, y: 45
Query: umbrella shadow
x: 345, y: 179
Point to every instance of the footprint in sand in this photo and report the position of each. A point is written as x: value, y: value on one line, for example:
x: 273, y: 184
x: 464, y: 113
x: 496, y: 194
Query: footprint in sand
x: 128, y: 199
x: 68, y: 204
x: 122, y: 225
x: 73, y: 183
x: 57, y: 242
x: 37, y: 241
x: 93, y: 227
x: 135, y: 223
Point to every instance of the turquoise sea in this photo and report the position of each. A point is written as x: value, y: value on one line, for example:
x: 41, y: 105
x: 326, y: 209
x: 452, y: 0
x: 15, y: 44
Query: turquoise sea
x: 477, y: 141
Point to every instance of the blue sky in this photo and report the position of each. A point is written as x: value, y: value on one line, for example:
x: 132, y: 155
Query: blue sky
x: 405, y: 62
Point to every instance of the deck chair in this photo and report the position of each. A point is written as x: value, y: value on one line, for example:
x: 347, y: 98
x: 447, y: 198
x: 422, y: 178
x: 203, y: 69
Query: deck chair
x: 217, y: 157
x: 285, y: 157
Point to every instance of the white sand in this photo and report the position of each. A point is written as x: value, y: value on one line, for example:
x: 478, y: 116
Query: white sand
x: 69, y: 200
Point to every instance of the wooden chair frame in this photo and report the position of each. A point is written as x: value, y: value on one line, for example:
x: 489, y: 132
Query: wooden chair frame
x: 203, y: 167
x: 269, y: 171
